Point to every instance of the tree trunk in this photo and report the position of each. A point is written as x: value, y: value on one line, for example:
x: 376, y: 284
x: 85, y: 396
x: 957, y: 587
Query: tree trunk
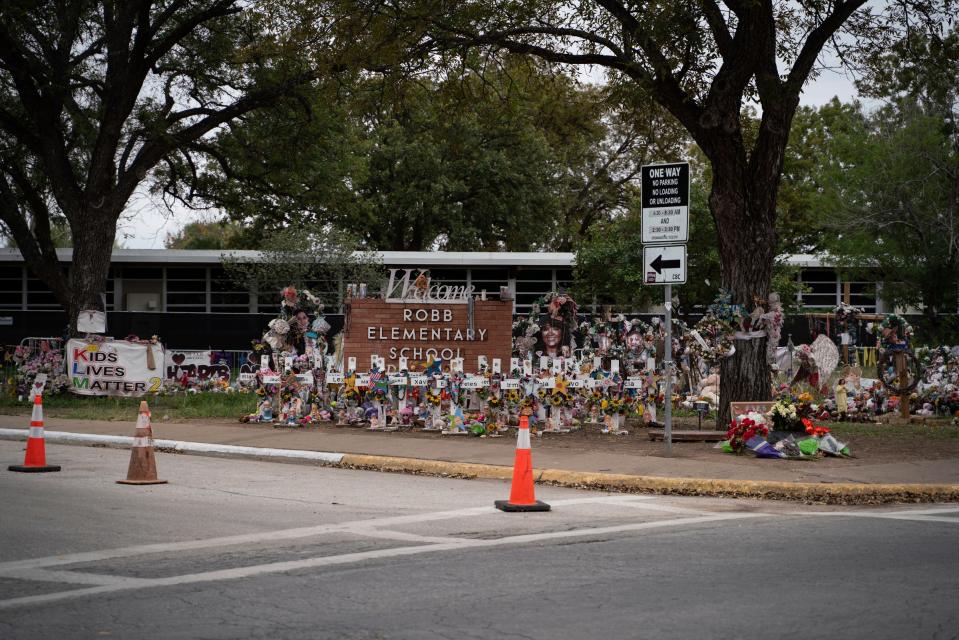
x: 92, y: 251
x: 747, y: 247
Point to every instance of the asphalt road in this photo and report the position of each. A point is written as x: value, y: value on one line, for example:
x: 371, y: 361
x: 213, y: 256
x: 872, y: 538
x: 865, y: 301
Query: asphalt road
x: 245, y: 549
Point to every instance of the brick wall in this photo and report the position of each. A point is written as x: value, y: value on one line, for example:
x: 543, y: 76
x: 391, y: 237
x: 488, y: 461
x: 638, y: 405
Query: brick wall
x: 375, y: 326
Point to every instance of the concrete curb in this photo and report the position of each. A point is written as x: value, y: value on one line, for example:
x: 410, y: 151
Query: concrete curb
x: 838, y: 493
x: 195, y: 448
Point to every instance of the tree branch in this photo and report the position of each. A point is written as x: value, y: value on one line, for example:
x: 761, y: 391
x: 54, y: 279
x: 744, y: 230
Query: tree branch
x: 815, y: 41
x: 718, y: 27
x: 162, y: 143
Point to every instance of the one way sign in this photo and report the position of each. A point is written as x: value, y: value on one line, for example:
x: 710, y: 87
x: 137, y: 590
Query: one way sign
x: 664, y: 264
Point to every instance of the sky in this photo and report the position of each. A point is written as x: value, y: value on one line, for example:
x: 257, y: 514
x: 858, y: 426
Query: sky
x: 147, y: 221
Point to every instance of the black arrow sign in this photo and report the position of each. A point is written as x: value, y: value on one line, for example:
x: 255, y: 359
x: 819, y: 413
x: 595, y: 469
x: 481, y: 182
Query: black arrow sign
x: 659, y: 264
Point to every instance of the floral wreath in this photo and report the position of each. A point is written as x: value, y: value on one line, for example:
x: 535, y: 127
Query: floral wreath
x: 895, y: 323
x: 561, y: 305
x: 847, y: 313
x: 558, y: 305
x: 636, y: 324
x: 716, y: 333
x: 281, y: 331
x: 525, y: 331
x: 724, y: 310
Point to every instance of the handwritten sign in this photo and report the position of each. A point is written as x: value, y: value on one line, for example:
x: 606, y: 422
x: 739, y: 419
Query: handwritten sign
x: 474, y: 383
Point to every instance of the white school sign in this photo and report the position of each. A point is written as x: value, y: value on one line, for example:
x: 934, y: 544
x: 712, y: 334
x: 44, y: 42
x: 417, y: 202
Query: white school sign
x: 403, y: 287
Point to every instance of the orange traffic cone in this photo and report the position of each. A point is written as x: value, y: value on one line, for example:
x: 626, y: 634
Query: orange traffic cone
x: 35, y: 460
x: 143, y: 464
x: 521, y: 497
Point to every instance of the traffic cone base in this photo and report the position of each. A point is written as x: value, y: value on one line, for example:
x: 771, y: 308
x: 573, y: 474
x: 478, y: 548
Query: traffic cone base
x: 44, y: 469
x: 506, y: 505
x: 521, y: 495
x: 35, y: 458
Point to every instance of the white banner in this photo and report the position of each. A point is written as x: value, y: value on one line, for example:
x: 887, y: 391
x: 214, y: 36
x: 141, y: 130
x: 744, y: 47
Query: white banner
x: 196, y: 364
x: 115, y: 368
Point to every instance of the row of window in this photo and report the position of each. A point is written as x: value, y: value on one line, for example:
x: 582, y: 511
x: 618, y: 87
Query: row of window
x: 208, y: 289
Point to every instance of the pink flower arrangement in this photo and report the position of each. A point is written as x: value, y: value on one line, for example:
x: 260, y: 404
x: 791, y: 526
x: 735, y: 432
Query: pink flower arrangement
x: 289, y: 296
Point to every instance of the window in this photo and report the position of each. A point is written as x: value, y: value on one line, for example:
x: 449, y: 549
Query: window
x: 823, y: 288
x: 186, y: 289
x: 226, y: 296
x: 489, y: 279
x: 862, y: 294
x: 11, y: 287
x: 531, y: 285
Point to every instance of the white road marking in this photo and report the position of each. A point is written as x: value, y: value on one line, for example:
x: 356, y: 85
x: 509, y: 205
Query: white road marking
x: 652, y: 506
x: 389, y: 534
x: 285, y: 534
x: 126, y: 584
x: 37, y: 568
x: 72, y: 577
x: 894, y: 514
x: 922, y: 518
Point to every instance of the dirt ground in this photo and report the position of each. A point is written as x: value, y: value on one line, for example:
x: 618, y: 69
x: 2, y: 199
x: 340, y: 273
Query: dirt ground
x: 869, y: 443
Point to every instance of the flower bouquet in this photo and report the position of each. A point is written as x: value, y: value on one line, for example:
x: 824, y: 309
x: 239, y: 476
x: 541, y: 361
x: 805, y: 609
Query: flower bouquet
x: 741, y: 431
x: 784, y: 415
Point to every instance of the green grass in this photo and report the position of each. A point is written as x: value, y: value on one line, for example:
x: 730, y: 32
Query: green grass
x: 224, y: 406
x: 932, y: 430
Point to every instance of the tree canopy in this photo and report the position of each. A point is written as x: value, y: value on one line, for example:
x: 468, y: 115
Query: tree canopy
x: 889, y: 181
x: 95, y: 95
x: 511, y: 155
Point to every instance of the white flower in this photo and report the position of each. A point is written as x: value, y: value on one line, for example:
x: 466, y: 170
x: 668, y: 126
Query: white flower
x: 273, y: 340
x: 279, y: 326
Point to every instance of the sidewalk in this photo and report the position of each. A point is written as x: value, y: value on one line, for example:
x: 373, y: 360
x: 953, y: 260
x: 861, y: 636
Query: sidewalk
x: 693, y: 461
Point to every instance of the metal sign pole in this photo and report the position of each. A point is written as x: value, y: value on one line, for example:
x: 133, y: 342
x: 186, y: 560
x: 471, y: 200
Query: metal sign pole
x: 668, y: 369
